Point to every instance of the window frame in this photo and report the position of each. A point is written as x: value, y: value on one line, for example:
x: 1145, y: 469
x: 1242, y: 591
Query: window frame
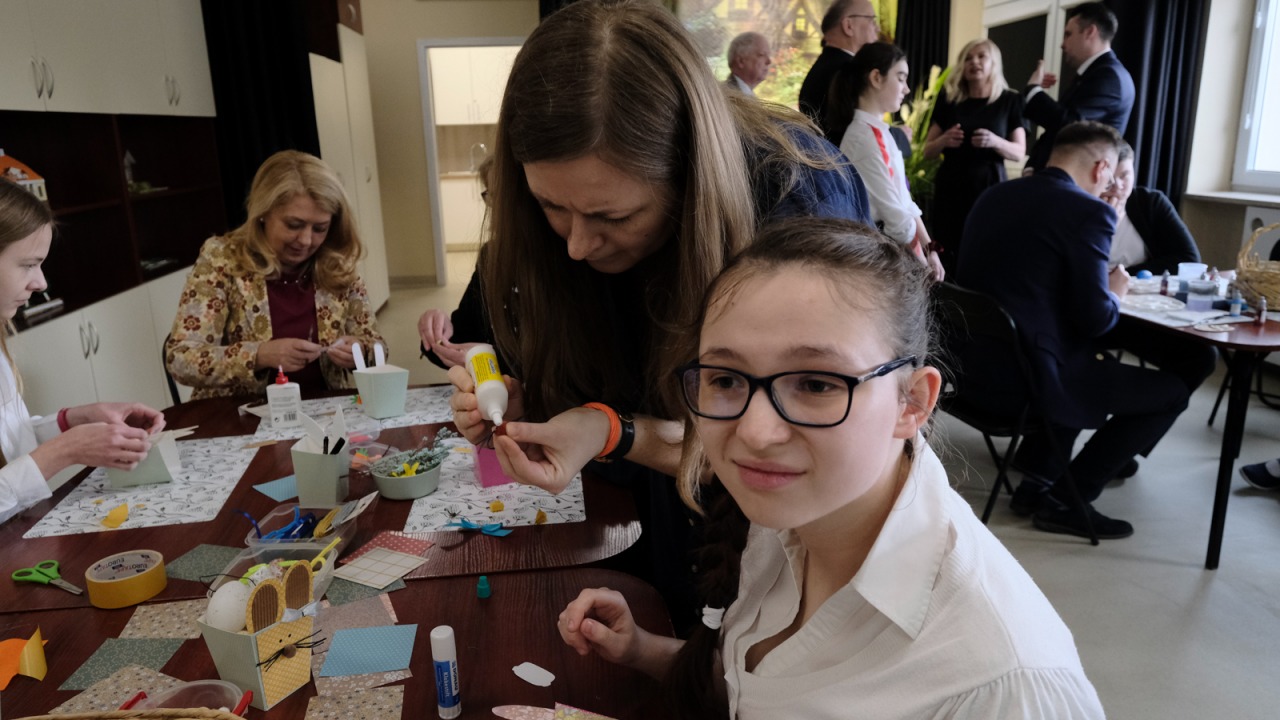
x: 1264, y: 44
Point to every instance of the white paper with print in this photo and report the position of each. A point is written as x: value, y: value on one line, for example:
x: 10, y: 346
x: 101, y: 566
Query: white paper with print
x: 423, y: 406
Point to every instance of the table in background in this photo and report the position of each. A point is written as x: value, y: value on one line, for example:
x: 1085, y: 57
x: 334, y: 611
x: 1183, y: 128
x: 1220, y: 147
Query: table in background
x: 1249, y: 344
x: 611, y: 525
x: 516, y: 624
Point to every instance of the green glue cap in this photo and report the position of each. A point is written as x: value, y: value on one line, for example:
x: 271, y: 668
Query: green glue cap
x: 482, y: 587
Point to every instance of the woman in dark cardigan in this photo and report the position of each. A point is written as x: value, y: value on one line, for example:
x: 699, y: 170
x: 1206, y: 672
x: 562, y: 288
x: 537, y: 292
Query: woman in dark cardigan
x: 1149, y: 233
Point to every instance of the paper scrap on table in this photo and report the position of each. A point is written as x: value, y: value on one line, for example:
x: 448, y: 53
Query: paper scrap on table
x: 568, y: 711
x: 116, y: 653
x: 369, y: 612
x: 166, y: 620
x: 22, y: 656
x: 528, y: 712
x: 341, y: 591
x: 379, y: 567
x: 359, y: 651
x: 392, y: 540
x: 110, y: 693
x: 118, y: 515
x: 202, y: 561
x: 344, y: 684
x: 374, y: 704
x: 280, y: 489
x: 533, y: 674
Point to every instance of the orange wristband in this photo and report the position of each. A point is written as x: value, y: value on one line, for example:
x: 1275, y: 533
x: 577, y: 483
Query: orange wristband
x: 615, y: 427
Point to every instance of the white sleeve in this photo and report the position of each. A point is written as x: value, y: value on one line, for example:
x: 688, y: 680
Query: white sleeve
x: 1028, y: 694
x: 21, y: 486
x: 884, y: 191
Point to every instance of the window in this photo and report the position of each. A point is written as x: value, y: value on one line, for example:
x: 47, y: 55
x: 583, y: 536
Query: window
x: 1257, y: 165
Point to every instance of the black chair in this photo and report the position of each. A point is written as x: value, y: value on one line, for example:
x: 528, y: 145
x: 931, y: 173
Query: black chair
x: 973, y: 328
x: 1271, y: 400
x: 173, y: 386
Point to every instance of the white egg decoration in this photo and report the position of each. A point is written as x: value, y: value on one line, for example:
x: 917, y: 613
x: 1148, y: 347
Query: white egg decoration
x: 227, y: 607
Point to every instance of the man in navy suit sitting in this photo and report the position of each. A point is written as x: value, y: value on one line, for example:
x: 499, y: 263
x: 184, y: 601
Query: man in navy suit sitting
x: 1039, y: 246
x: 1103, y: 90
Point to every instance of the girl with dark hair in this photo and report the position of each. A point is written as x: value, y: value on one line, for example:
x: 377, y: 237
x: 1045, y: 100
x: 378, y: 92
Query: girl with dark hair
x: 862, y: 93
x: 34, y: 449
x: 848, y: 579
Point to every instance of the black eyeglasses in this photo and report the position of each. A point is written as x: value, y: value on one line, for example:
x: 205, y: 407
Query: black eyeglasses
x: 802, y: 397
x: 872, y: 18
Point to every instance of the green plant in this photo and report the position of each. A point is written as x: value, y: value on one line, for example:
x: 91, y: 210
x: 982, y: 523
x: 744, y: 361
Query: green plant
x: 917, y: 114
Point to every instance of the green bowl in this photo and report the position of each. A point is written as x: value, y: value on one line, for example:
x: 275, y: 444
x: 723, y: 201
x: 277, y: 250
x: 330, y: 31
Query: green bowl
x: 410, y: 487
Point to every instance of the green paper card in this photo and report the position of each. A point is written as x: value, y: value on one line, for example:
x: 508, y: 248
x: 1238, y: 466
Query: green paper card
x: 116, y: 653
x: 202, y: 562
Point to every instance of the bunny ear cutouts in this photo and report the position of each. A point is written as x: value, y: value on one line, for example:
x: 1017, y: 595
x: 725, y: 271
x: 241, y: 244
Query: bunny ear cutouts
x: 297, y: 586
x: 266, y: 605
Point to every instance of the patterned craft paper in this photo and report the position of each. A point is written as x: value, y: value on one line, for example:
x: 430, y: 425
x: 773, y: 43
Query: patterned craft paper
x: 392, y: 540
x: 116, y: 653
x: 341, y: 591
x: 345, y: 684
x: 375, y: 704
x: 423, y: 406
x: 461, y: 496
x: 202, y: 562
x: 379, y: 567
x: 357, y: 651
x: 286, y: 673
x: 369, y: 612
x: 210, y: 469
x: 281, y: 490
x: 112, y: 692
x: 166, y: 620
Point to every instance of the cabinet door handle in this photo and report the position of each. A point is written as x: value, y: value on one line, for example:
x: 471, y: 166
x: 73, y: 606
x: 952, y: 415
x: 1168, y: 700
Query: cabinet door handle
x: 177, y: 92
x: 84, y: 344
x: 168, y: 89
x: 368, y: 174
x: 37, y: 78
x: 93, y: 335
x: 49, y: 78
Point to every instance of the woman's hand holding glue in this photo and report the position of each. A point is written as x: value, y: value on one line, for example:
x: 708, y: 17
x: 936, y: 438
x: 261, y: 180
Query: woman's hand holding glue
x: 490, y: 389
x: 466, y: 410
x: 549, y: 454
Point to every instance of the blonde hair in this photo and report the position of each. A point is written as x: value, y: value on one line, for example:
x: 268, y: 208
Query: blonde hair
x: 284, y: 176
x: 623, y: 81
x: 21, y: 215
x: 957, y: 90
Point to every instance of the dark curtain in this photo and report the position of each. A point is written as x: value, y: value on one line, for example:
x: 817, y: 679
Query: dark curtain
x: 262, y: 87
x: 924, y: 28
x: 1161, y: 43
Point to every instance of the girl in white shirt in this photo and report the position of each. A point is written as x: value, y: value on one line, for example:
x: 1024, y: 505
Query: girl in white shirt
x: 862, y: 92
x: 857, y: 583
x: 34, y: 448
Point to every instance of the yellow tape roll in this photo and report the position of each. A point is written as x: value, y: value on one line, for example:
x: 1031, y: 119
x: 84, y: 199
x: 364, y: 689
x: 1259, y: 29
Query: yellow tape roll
x: 126, y: 579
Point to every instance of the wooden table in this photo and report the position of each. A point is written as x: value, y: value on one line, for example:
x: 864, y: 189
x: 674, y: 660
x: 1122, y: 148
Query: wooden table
x: 1248, y: 344
x: 516, y: 624
x: 611, y: 526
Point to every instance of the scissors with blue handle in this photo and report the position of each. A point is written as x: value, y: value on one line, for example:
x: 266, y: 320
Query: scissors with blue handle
x: 46, y: 573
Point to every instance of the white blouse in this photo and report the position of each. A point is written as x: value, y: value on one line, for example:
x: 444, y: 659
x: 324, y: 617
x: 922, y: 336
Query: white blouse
x: 940, y: 622
x: 872, y: 150
x: 21, y: 482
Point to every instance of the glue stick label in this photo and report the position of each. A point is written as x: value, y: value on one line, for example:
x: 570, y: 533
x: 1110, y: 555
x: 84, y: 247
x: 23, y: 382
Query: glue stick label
x: 448, y: 693
x: 485, y: 367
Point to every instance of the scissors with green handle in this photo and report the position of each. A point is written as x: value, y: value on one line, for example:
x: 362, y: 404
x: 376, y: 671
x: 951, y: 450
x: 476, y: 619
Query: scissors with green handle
x: 46, y: 573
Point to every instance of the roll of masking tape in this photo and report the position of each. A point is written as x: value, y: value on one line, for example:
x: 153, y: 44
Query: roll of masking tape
x: 125, y: 579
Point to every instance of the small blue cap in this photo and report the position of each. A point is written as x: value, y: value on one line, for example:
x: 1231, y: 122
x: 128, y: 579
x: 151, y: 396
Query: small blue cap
x: 482, y: 587
x: 1144, y: 274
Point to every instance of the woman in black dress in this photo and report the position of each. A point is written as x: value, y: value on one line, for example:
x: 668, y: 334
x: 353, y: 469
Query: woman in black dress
x: 977, y: 125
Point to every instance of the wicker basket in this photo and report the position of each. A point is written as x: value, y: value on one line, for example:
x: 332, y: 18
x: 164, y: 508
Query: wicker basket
x: 152, y: 714
x: 1257, y: 277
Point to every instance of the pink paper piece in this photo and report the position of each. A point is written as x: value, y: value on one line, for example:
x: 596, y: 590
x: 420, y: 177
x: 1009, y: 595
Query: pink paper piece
x: 488, y: 469
x: 392, y: 540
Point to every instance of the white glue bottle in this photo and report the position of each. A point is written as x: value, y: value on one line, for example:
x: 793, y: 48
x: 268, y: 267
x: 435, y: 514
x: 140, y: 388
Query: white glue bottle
x: 491, y: 389
x: 444, y: 655
x: 284, y: 400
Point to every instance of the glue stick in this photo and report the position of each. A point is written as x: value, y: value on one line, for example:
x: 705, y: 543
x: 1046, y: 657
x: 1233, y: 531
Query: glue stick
x: 491, y: 390
x: 444, y: 654
x: 284, y: 400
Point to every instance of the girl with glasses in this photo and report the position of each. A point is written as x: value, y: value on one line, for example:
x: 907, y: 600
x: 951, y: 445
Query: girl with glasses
x: 847, y: 578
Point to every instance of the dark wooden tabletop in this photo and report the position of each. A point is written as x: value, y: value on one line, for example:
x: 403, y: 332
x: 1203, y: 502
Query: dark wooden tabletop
x: 1242, y: 336
x: 611, y: 525
x: 516, y: 624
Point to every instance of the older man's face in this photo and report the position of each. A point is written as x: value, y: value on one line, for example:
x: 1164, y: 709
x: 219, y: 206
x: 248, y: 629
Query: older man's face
x: 753, y: 66
x: 866, y: 28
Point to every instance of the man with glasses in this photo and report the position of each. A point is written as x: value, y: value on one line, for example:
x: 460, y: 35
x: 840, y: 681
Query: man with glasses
x: 1038, y: 245
x: 846, y: 27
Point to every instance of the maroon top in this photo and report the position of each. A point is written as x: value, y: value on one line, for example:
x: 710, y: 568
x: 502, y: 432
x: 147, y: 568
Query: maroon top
x: 291, y: 299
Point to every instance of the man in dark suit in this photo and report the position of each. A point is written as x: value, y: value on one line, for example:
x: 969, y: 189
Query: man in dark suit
x: 1039, y: 246
x: 846, y: 27
x: 1103, y: 90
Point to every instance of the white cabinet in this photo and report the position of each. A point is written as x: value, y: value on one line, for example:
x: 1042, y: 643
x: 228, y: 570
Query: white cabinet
x: 467, y: 83
x: 163, y: 294
x: 344, y: 122
x: 105, y: 352
x: 145, y: 57
x: 461, y: 209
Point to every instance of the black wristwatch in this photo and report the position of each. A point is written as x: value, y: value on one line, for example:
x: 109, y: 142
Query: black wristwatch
x: 626, y: 438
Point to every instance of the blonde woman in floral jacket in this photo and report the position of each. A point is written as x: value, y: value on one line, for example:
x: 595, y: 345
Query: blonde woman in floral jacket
x: 280, y: 291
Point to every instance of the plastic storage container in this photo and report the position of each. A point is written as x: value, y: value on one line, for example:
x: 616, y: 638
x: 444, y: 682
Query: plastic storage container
x: 283, y: 515
x: 283, y: 551
x: 213, y: 694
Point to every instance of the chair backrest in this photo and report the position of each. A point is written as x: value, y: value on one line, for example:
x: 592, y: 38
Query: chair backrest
x: 980, y: 345
x: 168, y: 376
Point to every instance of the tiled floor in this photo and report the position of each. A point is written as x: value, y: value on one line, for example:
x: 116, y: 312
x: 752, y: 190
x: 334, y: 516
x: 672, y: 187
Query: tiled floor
x: 1160, y: 636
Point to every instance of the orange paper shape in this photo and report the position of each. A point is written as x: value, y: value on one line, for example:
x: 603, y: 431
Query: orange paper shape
x: 22, y: 657
x: 117, y: 516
